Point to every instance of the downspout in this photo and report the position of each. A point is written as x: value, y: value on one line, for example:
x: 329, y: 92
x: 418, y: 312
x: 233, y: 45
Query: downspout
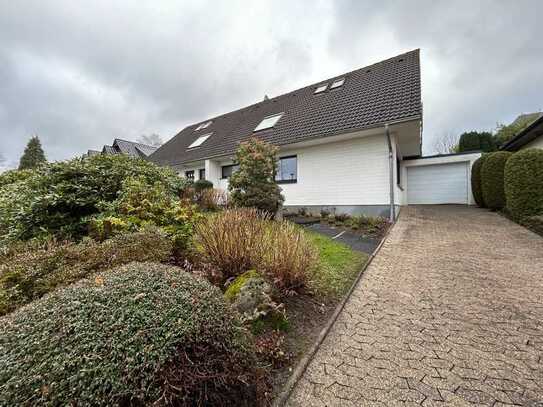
x: 390, y: 174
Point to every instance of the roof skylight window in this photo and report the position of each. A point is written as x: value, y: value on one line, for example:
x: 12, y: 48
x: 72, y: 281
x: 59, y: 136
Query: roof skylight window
x: 268, y: 122
x: 337, y: 83
x: 199, y: 141
x: 321, y: 88
x: 203, y: 125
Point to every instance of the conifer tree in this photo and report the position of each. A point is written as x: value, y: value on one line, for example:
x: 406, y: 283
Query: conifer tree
x: 33, y: 155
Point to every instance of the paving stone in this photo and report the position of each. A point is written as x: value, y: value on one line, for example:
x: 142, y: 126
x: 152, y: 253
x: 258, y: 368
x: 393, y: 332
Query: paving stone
x: 449, y: 313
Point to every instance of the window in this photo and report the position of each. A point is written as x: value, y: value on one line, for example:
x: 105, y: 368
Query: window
x: 189, y: 175
x: 228, y: 170
x: 269, y: 122
x: 202, y: 173
x: 321, y: 88
x: 199, y: 140
x: 337, y: 83
x: 287, y: 171
x: 203, y: 125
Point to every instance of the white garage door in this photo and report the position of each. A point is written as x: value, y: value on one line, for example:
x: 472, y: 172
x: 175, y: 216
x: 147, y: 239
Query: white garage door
x: 438, y: 184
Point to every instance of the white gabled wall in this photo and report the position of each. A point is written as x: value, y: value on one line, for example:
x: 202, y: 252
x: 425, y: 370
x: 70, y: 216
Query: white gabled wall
x: 537, y: 143
x: 351, y: 172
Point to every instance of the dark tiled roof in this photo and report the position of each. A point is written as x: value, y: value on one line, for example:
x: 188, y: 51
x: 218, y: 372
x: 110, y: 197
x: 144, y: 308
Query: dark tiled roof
x: 381, y: 93
x: 133, y: 149
x: 527, y: 135
x: 109, y: 150
x: 92, y: 152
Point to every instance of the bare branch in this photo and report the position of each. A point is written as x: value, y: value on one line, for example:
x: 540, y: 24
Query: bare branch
x: 151, y: 140
x: 446, y: 143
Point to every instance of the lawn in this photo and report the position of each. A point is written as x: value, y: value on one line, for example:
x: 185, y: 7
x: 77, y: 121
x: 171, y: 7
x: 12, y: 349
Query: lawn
x: 338, y: 267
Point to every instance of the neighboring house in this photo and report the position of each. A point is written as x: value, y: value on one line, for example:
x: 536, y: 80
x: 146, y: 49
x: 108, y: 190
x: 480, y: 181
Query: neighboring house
x: 90, y: 153
x: 342, y: 143
x: 131, y: 148
x: 530, y: 137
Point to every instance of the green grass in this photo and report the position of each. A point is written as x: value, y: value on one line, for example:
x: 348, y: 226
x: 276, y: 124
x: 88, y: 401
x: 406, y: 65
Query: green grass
x: 338, y: 266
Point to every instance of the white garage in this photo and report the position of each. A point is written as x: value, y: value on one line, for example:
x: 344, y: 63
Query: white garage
x: 438, y: 184
x: 439, y: 179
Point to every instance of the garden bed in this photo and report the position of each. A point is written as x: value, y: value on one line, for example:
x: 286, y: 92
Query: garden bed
x: 277, y: 282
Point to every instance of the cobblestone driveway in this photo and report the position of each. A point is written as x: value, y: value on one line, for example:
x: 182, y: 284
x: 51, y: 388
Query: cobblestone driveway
x: 450, y: 312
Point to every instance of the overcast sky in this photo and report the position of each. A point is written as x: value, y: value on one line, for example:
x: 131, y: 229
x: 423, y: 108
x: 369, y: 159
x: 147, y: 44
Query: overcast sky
x: 79, y: 73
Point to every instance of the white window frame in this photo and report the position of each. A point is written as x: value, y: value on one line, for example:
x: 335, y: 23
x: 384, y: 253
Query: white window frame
x: 337, y: 83
x: 200, y: 140
x: 269, y: 121
x: 321, y: 88
x: 204, y: 125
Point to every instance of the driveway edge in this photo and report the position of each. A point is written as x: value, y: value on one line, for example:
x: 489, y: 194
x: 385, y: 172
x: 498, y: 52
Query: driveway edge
x: 304, y: 362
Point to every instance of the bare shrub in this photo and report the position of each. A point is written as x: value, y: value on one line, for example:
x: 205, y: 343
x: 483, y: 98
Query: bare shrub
x: 286, y: 256
x: 212, y: 199
x: 237, y: 240
x: 228, y: 240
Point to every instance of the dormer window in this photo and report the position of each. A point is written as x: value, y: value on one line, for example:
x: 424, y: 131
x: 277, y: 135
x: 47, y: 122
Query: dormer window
x: 337, y: 83
x: 321, y: 88
x: 204, y: 125
x: 198, y: 142
x: 268, y: 122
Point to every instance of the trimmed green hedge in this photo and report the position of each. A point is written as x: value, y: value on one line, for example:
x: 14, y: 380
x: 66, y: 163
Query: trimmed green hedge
x: 31, y: 269
x: 142, y: 334
x: 476, y: 187
x: 492, y: 180
x: 524, y: 183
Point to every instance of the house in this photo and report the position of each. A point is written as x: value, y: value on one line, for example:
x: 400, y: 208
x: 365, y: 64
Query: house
x: 342, y: 144
x: 90, y: 153
x: 530, y: 137
x: 131, y: 148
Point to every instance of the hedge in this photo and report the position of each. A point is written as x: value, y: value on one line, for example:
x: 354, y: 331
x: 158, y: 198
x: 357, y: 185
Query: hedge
x: 13, y: 176
x: 30, y: 270
x: 141, y: 334
x: 476, y: 187
x: 58, y: 198
x: 474, y: 140
x: 492, y: 180
x: 524, y: 183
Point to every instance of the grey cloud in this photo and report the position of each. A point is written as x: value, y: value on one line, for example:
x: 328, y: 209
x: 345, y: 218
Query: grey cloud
x: 81, y: 74
x: 481, y: 60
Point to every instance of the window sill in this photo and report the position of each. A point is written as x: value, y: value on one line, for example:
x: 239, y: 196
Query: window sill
x: 287, y: 181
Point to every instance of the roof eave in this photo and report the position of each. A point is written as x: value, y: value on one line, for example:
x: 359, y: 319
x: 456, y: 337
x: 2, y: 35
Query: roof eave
x: 526, y: 136
x: 344, y: 131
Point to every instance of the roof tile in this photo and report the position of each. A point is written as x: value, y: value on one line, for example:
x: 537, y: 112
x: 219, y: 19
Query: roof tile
x: 382, y: 92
